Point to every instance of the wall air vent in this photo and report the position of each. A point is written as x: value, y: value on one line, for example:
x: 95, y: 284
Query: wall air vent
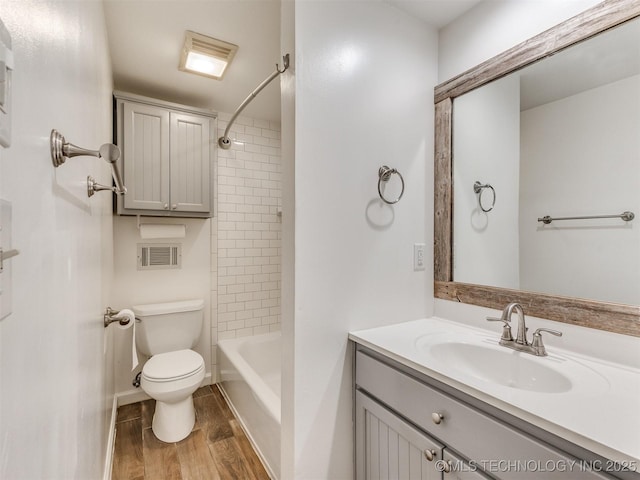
x: 206, y: 55
x: 155, y: 256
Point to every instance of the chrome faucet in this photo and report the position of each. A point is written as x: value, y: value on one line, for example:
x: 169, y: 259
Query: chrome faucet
x: 520, y: 343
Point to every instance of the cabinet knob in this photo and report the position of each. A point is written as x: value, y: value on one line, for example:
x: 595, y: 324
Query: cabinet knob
x: 166, y: 206
x: 174, y: 206
x: 437, y: 417
x: 446, y: 466
x: 430, y: 454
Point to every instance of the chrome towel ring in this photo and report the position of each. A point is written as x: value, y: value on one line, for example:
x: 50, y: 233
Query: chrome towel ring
x: 478, y: 189
x: 384, y: 174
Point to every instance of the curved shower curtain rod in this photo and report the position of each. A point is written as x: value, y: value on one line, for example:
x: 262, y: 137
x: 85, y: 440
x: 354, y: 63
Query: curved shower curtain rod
x: 225, y: 141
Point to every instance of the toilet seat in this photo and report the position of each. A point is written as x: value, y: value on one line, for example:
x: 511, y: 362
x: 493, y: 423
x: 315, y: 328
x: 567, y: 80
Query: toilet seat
x: 171, y: 366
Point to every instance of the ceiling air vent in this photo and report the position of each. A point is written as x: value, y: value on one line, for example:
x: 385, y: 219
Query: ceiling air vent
x: 206, y: 56
x: 156, y: 256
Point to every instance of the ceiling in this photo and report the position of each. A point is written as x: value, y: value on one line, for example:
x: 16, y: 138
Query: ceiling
x: 606, y: 58
x: 146, y: 38
x: 435, y: 13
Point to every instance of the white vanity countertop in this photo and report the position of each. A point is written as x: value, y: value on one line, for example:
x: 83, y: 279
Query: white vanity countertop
x: 603, y: 418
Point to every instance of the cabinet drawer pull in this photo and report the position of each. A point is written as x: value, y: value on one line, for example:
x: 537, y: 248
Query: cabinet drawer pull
x: 437, y: 417
x: 430, y: 454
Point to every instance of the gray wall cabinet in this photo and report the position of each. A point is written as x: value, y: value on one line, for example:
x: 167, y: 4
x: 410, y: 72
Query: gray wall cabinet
x: 167, y: 158
x: 409, y: 426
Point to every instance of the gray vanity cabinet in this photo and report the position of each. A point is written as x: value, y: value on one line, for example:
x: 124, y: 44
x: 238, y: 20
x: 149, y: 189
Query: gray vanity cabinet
x: 167, y: 156
x: 410, y: 404
x: 389, y: 447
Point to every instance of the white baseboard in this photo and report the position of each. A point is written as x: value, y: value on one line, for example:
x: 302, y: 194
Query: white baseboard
x: 137, y: 394
x: 131, y: 396
x: 111, y: 440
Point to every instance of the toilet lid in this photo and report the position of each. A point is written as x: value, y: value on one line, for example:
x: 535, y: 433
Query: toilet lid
x: 172, y: 365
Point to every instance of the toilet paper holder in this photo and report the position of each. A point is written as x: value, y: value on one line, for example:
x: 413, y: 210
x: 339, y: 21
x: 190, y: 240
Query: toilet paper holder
x: 111, y: 315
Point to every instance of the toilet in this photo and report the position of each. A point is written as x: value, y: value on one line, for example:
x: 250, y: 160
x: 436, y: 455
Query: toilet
x: 166, y: 333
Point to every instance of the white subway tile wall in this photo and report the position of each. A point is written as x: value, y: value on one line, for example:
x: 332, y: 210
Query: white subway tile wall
x: 246, y: 231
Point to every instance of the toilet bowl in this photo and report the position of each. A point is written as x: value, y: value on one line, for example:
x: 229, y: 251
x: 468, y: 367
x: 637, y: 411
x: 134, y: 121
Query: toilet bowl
x: 166, y: 333
x: 171, y: 378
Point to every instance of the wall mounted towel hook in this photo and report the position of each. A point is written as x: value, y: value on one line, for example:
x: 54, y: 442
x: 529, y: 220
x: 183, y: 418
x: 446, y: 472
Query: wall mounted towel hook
x: 6, y: 255
x: 61, y: 150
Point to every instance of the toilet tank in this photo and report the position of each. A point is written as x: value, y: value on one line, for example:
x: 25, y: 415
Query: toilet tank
x: 165, y: 327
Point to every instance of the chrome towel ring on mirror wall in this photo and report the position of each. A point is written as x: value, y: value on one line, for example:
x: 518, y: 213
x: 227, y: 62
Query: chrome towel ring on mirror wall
x: 384, y: 174
x: 478, y: 188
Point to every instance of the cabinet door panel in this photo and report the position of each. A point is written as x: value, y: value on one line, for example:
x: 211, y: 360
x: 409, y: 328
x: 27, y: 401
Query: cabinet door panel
x: 389, y: 448
x: 459, y: 469
x: 146, y: 157
x: 190, y: 163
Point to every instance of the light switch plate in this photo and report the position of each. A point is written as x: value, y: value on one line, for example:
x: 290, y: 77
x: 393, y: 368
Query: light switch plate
x: 418, y: 256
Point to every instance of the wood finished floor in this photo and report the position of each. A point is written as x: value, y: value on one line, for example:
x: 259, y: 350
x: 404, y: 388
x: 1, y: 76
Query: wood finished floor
x: 217, y: 448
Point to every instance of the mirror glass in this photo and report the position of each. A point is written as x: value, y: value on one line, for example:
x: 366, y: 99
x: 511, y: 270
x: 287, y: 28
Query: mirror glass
x: 559, y: 138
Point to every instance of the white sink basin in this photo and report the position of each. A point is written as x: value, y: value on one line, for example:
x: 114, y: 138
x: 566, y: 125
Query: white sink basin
x: 505, y: 367
x: 485, y: 361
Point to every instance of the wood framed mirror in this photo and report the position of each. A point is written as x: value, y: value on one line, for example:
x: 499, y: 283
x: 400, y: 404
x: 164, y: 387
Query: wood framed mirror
x: 615, y: 317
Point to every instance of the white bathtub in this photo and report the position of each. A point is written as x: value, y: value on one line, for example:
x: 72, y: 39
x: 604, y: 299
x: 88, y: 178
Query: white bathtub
x: 250, y: 377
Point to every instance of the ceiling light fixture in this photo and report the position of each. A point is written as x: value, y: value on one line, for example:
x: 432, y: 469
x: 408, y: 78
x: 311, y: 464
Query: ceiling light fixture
x: 206, y: 56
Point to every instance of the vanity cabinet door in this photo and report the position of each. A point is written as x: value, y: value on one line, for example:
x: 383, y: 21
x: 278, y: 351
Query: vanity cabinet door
x: 387, y: 447
x: 458, y: 469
